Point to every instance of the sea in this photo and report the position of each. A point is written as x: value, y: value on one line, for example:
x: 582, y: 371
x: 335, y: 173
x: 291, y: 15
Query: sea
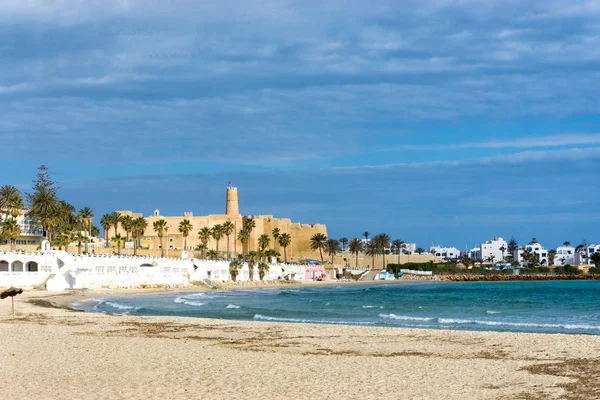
x: 517, y: 306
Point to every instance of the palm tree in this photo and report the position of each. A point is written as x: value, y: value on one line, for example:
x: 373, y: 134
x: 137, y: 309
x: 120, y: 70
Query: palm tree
x: 344, y: 242
x: 382, y: 241
x: 50, y: 220
x: 139, y: 227
x: 202, y: 248
x: 284, y: 241
x: 244, y: 237
x: 356, y: 246
x: 420, y: 250
x: 118, y: 238
x: 115, y: 219
x: 276, y: 232
x: 212, y: 254
x: 7, y: 192
x: 217, y: 233
x: 234, y: 268
x: 248, y: 224
x: 397, y: 247
x: 160, y: 227
x: 333, y: 247
x: 127, y: 225
x: 253, y: 257
x: 79, y: 239
x: 185, y: 227
x: 372, y: 250
x: 318, y: 241
x: 262, y: 268
x: 228, y: 229
x: 10, y: 231
x: 106, y: 223
x: 567, y: 244
x: 502, y: 249
x: 263, y: 242
x: 270, y: 253
x: 85, y: 216
x: 366, y: 235
x: 204, y: 234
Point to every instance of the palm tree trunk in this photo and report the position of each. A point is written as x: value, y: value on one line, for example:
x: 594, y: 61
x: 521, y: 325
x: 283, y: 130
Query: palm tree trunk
x: 357, y: 260
x: 135, y: 246
x: 321, y: 252
x: 228, y: 257
x: 162, y: 248
x: 285, y: 255
x: 383, y: 255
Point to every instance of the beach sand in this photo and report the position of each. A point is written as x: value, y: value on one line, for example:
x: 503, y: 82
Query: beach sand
x: 55, y: 353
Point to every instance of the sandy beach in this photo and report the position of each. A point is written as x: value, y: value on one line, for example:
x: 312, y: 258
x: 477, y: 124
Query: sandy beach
x: 49, y: 352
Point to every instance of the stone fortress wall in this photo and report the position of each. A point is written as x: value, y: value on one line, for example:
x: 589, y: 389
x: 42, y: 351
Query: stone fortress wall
x: 173, y: 240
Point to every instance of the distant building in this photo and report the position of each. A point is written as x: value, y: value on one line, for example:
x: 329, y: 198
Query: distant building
x: 493, y: 250
x: 409, y: 248
x: 564, y: 255
x: 445, y: 253
x: 475, y: 253
x: 584, y: 255
x: 31, y: 232
x: 532, y: 248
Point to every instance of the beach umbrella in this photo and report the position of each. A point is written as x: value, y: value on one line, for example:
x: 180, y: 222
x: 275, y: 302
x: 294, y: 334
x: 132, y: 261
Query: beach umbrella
x: 11, y: 292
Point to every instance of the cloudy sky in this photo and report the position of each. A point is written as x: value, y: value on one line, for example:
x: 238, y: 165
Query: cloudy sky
x: 436, y: 121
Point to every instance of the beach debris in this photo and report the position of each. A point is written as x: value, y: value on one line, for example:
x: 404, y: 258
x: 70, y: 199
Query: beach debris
x: 11, y: 292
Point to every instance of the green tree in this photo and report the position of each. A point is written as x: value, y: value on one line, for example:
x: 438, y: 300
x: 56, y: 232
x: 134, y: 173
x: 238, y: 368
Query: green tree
x: 217, y: 234
x: 371, y: 249
x: 127, y: 225
x: 204, y: 235
x: 343, y: 242
x: 318, y: 241
x: 234, y: 269
x: 567, y: 243
x: 503, y: 249
x: 7, y: 192
x: 276, y: 233
x: 244, y: 237
x: 10, y: 231
x: 248, y: 225
x: 512, y: 246
x: 106, y: 223
x: 466, y: 260
x: 262, y: 269
x: 79, y: 238
x: 185, y: 227
x: 333, y: 247
x: 366, y: 235
x: 115, y: 219
x: 252, y: 258
x: 419, y: 250
x: 202, y: 249
x: 43, y: 201
x: 382, y: 241
x: 161, y: 228
x: 356, y: 247
x: 85, y: 216
x: 284, y: 241
x: 397, y: 246
x: 119, y: 240
x: 595, y: 258
x: 139, y: 227
x: 228, y: 229
x: 212, y: 254
x: 263, y: 242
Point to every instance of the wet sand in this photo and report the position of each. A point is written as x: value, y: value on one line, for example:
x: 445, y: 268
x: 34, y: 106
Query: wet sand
x: 49, y: 352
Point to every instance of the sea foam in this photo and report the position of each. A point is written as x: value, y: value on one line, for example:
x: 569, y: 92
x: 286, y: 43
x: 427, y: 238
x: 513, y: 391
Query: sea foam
x: 183, y: 300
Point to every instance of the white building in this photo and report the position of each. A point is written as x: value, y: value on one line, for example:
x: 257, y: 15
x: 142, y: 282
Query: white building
x: 475, y: 253
x: 59, y: 270
x: 493, y: 250
x: 446, y: 253
x: 31, y: 231
x: 409, y: 248
x: 564, y: 255
x: 532, y: 248
x: 584, y: 255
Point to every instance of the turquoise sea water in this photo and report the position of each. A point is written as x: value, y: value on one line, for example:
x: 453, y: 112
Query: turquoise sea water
x: 545, y: 306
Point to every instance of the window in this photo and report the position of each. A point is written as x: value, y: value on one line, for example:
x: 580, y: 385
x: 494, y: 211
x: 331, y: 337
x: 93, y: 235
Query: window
x: 592, y: 249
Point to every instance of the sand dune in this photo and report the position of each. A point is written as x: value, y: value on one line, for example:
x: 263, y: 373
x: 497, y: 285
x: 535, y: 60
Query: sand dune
x: 53, y: 353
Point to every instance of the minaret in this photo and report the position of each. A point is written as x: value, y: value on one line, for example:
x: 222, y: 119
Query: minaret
x: 231, y: 204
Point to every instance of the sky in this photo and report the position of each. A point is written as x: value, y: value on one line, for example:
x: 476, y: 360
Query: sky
x: 442, y: 122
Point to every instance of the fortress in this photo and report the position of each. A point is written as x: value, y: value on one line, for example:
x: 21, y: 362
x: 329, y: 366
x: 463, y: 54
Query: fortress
x: 173, y: 240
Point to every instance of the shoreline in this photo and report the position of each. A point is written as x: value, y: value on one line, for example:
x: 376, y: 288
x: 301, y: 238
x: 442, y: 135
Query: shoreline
x: 98, y: 355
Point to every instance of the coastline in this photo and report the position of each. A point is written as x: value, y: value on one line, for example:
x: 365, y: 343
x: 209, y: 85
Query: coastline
x: 95, y: 355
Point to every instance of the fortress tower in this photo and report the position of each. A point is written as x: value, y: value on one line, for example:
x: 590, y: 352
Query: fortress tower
x: 231, y: 204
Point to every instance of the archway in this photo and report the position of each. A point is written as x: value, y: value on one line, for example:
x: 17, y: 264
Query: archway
x: 32, y: 266
x: 17, y: 266
x: 3, y: 266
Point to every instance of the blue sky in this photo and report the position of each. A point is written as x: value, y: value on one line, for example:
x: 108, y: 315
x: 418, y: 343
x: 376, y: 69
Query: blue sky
x: 438, y: 121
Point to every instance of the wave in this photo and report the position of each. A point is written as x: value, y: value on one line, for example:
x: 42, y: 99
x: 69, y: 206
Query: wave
x: 405, y: 317
x: 232, y: 306
x: 119, y: 306
x: 310, y: 321
x: 493, y: 312
x: 368, y: 306
x: 183, y: 300
x: 517, y: 324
